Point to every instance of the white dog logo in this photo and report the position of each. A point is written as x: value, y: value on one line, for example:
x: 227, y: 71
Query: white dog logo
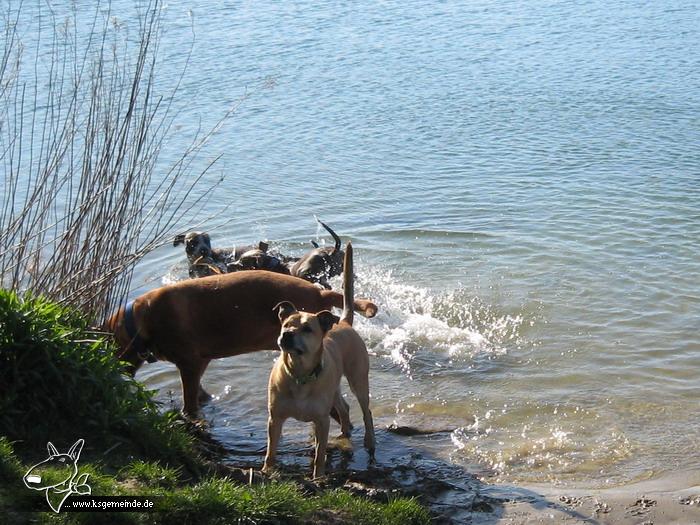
x: 67, y: 467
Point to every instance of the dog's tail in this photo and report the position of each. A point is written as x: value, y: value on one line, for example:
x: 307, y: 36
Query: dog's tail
x: 348, y: 287
x: 333, y: 234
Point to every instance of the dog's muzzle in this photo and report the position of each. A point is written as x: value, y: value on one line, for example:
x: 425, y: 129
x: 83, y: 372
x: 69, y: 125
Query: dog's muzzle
x: 286, y: 342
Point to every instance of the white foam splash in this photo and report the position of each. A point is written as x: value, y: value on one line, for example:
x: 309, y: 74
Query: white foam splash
x: 415, y: 321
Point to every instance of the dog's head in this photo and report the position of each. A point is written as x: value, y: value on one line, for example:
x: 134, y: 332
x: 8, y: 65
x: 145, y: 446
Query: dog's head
x: 197, y: 245
x: 319, y: 265
x: 302, y: 332
x: 335, y: 262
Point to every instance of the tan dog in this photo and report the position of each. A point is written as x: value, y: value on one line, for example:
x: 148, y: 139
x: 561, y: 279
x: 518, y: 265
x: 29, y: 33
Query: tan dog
x: 305, y: 380
x: 194, y: 321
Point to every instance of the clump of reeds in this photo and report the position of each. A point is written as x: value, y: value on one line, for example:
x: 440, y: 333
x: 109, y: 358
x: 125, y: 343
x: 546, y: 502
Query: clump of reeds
x: 82, y: 124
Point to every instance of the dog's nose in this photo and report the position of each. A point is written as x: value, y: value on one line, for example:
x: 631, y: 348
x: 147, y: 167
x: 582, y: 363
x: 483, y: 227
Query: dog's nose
x: 287, y: 339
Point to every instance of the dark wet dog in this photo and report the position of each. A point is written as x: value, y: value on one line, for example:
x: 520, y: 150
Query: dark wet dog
x: 205, y: 260
x: 260, y: 259
x: 317, y: 266
x: 320, y: 264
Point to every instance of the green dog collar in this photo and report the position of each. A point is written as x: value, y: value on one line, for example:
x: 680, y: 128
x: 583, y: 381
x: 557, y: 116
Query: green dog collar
x: 308, y: 378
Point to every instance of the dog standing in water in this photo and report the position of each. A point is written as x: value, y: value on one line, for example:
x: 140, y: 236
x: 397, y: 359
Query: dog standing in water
x: 305, y: 380
x: 191, y: 322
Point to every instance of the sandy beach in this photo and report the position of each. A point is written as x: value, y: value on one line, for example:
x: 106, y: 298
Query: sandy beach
x: 651, y: 502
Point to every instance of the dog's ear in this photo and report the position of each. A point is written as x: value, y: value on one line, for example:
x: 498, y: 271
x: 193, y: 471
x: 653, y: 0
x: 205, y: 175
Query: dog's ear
x: 327, y: 319
x: 314, y: 244
x: 263, y: 246
x: 284, y: 310
x: 179, y: 239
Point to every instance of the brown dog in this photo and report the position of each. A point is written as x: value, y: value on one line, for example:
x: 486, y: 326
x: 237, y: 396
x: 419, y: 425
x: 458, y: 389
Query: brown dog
x: 305, y: 380
x: 193, y: 321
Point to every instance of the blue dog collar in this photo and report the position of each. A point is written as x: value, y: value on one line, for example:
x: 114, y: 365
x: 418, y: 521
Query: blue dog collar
x: 137, y: 342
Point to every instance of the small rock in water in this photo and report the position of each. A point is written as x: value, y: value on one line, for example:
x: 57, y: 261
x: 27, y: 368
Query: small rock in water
x: 413, y: 431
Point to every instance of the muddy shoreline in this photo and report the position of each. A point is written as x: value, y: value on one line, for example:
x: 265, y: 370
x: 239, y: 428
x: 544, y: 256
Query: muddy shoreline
x: 455, y: 496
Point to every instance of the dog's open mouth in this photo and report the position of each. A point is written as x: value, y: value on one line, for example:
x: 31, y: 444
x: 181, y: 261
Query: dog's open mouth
x: 291, y: 350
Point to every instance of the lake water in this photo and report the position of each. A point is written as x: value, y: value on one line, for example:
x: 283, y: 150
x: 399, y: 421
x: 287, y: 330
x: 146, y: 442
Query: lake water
x: 521, y: 182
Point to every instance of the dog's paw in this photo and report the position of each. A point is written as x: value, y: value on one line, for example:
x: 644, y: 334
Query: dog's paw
x: 372, y: 457
x: 341, y: 443
x: 268, y: 468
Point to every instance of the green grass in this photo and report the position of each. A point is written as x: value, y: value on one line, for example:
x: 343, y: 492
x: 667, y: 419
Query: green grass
x: 210, y: 501
x: 59, y: 382
x: 151, y: 473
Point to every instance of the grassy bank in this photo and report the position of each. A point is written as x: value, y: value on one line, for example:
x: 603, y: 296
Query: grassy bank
x: 59, y: 382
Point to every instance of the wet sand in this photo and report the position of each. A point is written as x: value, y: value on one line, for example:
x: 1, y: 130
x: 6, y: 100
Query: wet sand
x: 651, y: 502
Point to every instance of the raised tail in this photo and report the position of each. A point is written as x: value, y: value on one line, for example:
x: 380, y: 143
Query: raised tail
x: 348, y: 287
x: 333, y: 234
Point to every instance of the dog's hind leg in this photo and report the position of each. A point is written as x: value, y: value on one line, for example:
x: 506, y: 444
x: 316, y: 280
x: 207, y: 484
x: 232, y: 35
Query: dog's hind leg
x: 341, y: 413
x: 358, y: 379
x: 362, y: 393
x: 370, y: 441
x: 204, y: 396
x: 332, y: 299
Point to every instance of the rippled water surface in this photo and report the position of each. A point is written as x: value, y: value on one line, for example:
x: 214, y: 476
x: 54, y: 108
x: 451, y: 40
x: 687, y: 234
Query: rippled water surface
x: 521, y: 181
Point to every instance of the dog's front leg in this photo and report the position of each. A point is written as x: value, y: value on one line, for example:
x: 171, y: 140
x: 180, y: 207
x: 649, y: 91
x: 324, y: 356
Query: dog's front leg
x: 190, y: 375
x: 274, y: 431
x: 321, y: 429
